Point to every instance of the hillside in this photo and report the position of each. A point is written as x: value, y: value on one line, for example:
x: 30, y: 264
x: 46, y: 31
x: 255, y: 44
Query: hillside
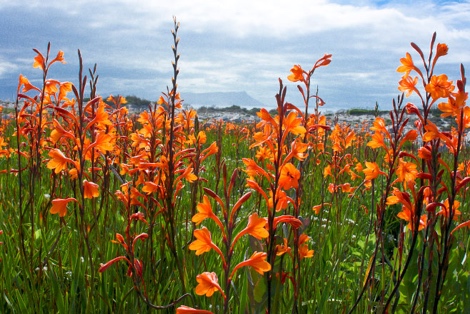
x: 220, y: 99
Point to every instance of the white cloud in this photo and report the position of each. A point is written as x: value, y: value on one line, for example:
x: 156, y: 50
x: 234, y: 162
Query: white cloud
x: 277, y: 18
x: 6, y: 67
x: 246, y: 45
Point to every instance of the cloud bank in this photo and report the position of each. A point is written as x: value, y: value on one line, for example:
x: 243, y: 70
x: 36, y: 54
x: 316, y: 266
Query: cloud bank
x: 233, y: 45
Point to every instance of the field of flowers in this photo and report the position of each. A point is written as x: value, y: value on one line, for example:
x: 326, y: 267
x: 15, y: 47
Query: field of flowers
x: 107, y: 211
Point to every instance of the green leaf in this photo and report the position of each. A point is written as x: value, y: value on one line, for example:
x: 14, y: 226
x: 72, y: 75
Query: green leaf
x: 37, y: 234
x: 259, y: 288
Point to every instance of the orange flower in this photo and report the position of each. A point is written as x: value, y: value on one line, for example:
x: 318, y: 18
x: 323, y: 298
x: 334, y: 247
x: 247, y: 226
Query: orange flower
x: 263, y: 153
x: 187, y: 174
x: 51, y: 87
x: 161, y: 101
x: 407, y: 65
x: 39, y: 61
x: 439, y: 86
x: 27, y: 86
x: 103, y: 143
x: 205, y: 211
x: 304, y: 252
x: 455, y: 103
x: 282, y: 200
x: 201, y: 136
x: 264, y: 115
x: 263, y: 136
x: 200, y: 139
x: 90, y: 189
x: 183, y: 309
x: 64, y: 89
x: 442, y: 50
x: 358, y: 167
x: 4, y: 152
x: 59, y: 205
x: 410, y: 136
x: 347, y: 188
x: 73, y: 173
x: 371, y: 171
x: 379, y: 125
x: 464, y: 167
x: 59, y: 132
x: 101, y: 116
x: 297, y: 74
x: 408, y: 85
x: 449, y: 108
x: 408, y: 209
x: 297, y: 151
x: 317, y: 208
x: 332, y: 188
x: 255, y: 228
x: 186, y: 118
x: 424, y: 153
x: 150, y: 187
x: 208, y: 284
x: 203, y: 243
x: 212, y: 149
x: 350, y: 138
x: 59, y: 57
x: 257, y: 261
x: 406, y: 171
x: 399, y: 197
x: 290, y: 176
x: 445, y: 209
x: 59, y: 160
x: 281, y: 249
x: 253, y: 170
x: 432, y: 132
x: 293, y: 124
x: 377, y: 141
x: 408, y: 216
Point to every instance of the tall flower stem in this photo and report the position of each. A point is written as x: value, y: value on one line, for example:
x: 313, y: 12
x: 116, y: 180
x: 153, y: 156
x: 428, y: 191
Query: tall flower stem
x: 280, y: 99
x: 170, y: 205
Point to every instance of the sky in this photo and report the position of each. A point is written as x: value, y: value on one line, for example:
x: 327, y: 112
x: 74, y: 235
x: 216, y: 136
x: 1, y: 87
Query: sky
x: 233, y: 45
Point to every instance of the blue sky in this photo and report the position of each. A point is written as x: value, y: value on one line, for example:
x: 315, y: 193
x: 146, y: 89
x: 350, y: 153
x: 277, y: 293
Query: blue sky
x: 233, y: 45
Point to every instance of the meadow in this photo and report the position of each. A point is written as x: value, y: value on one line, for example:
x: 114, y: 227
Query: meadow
x: 108, y: 211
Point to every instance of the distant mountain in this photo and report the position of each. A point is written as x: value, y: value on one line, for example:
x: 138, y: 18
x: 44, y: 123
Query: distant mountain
x: 220, y: 99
